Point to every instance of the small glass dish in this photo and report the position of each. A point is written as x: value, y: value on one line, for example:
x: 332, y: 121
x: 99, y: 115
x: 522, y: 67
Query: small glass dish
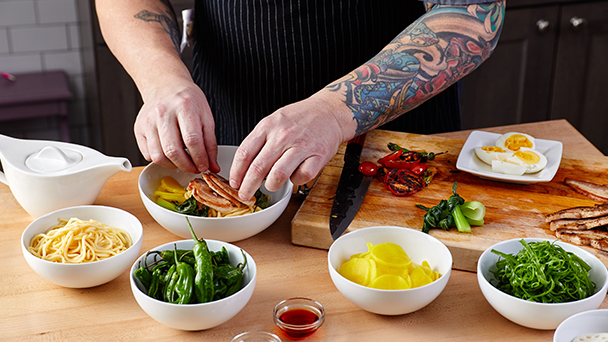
x: 299, y: 317
x: 256, y: 336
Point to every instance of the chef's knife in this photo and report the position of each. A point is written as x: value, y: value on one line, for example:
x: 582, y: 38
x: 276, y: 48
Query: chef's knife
x: 351, y: 189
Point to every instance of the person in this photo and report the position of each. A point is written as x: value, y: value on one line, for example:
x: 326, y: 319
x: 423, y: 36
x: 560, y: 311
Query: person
x: 290, y: 81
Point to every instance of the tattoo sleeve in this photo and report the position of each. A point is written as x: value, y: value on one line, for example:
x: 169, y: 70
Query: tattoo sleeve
x: 438, y: 49
x: 166, y: 18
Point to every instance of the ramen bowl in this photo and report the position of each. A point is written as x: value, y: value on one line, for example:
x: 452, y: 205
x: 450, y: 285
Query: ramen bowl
x: 227, y: 229
x: 89, y: 274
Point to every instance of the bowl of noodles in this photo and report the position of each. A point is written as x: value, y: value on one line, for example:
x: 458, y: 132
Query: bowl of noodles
x: 171, y: 195
x: 82, y: 246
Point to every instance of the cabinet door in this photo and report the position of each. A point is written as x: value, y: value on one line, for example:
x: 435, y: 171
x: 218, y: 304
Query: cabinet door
x: 581, y: 73
x: 513, y: 85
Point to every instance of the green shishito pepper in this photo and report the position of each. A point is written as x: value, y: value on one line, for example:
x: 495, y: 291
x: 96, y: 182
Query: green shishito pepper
x: 180, y: 287
x: 156, y: 286
x: 227, y: 278
x: 168, y: 256
x: 203, y: 281
x: 170, y: 280
x: 144, y: 276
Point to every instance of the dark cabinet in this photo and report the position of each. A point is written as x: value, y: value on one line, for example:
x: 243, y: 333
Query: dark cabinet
x: 580, y: 93
x: 550, y: 63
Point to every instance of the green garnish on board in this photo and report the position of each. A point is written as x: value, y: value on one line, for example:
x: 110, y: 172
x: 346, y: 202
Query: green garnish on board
x: 543, y: 272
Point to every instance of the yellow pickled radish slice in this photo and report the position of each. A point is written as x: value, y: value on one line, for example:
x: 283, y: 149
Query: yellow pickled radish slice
x: 171, y: 185
x: 427, y: 268
x: 390, y: 254
x: 170, y: 196
x: 359, y: 270
x: 419, y: 278
x: 360, y: 255
x: 390, y: 282
x: 429, y: 271
x: 400, y: 271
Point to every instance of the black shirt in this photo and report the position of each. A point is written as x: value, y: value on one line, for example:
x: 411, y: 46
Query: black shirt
x: 253, y: 57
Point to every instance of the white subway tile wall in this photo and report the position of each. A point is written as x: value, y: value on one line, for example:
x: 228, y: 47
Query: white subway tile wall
x: 39, y: 35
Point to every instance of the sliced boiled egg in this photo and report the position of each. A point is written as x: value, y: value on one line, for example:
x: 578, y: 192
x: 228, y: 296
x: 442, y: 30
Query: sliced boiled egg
x: 508, y: 168
x: 514, y: 141
x: 489, y: 153
x: 532, y: 160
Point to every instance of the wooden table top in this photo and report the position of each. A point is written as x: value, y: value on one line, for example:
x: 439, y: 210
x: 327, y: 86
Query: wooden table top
x: 33, y: 309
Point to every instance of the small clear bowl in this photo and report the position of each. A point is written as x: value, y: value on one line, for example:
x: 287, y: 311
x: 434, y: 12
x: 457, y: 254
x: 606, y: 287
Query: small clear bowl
x: 256, y: 336
x: 299, y: 317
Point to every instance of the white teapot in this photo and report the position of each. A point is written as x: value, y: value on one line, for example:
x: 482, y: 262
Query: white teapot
x: 48, y: 175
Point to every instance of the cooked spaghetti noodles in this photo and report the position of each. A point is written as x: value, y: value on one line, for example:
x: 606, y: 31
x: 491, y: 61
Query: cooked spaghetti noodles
x: 75, y: 241
x: 233, y: 212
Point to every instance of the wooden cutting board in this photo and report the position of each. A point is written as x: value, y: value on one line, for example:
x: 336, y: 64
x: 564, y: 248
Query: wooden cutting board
x: 512, y: 210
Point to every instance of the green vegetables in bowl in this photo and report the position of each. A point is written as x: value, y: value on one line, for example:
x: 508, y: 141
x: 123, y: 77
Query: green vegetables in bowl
x: 543, y: 272
x: 191, y: 276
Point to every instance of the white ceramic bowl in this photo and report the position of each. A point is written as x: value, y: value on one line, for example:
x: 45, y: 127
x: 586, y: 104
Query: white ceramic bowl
x: 535, y: 315
x: 418, y: 246
x: 586, y: 322
x: 85, y: 274
x: 203, y: 315
x: 228, y: 229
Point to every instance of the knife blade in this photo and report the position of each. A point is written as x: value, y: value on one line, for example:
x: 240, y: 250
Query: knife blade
x: 351, y: 190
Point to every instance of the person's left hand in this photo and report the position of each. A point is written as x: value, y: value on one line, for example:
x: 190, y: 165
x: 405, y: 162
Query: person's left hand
x: 295, y: 142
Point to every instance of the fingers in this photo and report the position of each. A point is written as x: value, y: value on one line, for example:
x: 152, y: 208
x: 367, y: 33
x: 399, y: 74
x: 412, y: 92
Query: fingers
x: 172, y: 146
x: 199, y: 139
x: 293, y: 164
x: 178, y: 131
x: 294, y: 142
x: 274, y: 161
x: 243, y: 163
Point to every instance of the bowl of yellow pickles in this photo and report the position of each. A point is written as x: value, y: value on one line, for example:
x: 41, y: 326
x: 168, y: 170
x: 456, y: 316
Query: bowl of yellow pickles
x: 389, y: 270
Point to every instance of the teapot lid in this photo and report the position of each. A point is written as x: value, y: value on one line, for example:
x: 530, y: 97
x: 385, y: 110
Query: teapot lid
x: 52, y: 159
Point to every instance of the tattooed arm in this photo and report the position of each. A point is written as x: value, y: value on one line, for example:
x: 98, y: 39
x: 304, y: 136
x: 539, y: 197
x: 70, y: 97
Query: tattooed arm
x: 444, y: 45
x: 437, y: 50
x: 144, y: 36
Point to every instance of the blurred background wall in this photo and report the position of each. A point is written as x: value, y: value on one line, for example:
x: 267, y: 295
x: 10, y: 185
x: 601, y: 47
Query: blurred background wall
x: 45, y: 35
x: 48, y: 35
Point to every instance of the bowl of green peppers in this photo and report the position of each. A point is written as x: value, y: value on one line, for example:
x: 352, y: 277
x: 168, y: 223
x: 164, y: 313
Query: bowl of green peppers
x: 193, y: 284
x: 538, y: 283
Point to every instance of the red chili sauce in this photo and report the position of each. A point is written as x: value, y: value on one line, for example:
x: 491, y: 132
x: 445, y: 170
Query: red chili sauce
x: 299, y: 317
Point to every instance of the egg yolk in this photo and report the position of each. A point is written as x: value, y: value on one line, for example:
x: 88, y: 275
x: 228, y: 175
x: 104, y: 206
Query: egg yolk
x: 516, y: 141
x: 493, y: 149
x: 527, y: 157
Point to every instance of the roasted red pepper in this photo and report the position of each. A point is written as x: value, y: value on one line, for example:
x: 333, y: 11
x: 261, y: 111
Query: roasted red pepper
x: 419, y: 169
x: 401, y: 160
x: 403, y: 182
x: 393, y: 156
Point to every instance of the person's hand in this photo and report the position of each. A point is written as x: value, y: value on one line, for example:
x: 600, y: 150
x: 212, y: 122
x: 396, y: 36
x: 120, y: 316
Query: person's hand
x: 175, y: 128
x: 295, y: 142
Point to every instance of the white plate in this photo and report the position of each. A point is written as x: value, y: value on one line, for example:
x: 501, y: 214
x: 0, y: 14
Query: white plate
x: 468, y: 161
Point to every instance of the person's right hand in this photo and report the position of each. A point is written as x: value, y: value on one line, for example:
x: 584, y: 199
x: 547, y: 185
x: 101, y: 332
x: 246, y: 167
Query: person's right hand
x: 175, y: 128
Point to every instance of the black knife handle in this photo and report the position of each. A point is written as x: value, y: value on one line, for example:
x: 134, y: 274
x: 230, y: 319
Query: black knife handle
x: 354, y: 148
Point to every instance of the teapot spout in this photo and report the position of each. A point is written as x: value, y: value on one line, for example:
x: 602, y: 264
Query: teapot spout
x: 115, y: 165
x: 123, y: 164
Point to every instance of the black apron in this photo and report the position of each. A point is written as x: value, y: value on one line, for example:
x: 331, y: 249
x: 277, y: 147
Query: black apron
x: 253, y: 57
